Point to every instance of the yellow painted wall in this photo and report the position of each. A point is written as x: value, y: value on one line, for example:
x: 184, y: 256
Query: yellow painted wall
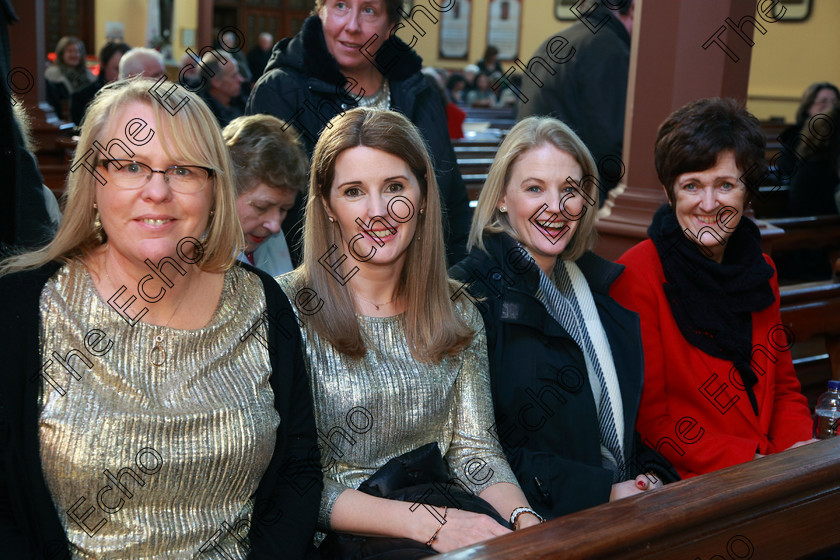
x: 185, y: 16
x: 538, y: 23
x: 790, y: 57
x: 131, y: 12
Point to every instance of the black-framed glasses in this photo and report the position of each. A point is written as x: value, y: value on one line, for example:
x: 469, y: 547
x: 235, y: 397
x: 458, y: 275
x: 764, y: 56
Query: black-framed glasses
x: 129, y: 174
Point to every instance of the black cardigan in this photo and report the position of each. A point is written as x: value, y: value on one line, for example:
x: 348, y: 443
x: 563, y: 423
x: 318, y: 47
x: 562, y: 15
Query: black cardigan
x: 286, y: 500
x: 546, y: 419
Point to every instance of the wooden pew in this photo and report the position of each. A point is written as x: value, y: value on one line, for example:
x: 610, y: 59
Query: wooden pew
x: 780, y: 507
x: 807, y: 232
x: 771, y: 202
x: 502, y: 117
x: 772, y: 129
x: 474, y: 183
x: 812, y: 309
x: 474, y: 160
x: 474, y: 165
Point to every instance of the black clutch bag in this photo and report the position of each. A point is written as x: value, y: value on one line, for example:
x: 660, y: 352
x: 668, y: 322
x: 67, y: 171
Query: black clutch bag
x: 421, y: 477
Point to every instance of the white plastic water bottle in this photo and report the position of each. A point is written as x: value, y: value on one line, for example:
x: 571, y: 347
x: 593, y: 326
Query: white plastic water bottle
x: 827, y: 420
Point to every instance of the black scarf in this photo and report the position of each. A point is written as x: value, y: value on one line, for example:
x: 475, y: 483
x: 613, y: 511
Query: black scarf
x: 712, y: 302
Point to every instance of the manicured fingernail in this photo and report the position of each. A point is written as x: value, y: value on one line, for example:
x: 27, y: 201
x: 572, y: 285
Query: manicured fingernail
x: 641, y: 484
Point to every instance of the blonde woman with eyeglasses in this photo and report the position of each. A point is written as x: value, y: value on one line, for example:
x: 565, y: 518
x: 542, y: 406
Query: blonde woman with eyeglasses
x: 150, y: 408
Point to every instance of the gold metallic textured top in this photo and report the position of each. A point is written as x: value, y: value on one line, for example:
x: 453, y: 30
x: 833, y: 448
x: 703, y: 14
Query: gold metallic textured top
x: 371, y: 410
x: 145, y: 461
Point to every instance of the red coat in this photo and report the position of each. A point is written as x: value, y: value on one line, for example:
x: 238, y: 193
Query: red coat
x: 694, y: 409
x: 455, y: 117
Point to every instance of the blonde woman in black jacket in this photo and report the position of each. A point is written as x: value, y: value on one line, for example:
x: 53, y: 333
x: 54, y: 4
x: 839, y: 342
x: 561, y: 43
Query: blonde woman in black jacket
x: 565, y: 358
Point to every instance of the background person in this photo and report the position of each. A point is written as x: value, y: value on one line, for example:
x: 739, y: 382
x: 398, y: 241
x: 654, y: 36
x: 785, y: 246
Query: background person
x: 313, y: 68
x: 553, y: 332
x: 455, y: 116
x: 388, y: 340
x: 470, y: 72
x: 815, y: 173
x: 481, y: 95
x: 270, y: 169
x: 234, y: 49
x: 109, y: 71
x: 259, y: 55
x: 589, y: 91
x: 67, y: 74
x: 141, y: 61
x: 456, y: 89
x: 709, y: 303
x: 188, y: 74
x: 489, y: 63
x: 220, y: 415
x: 223, y: 89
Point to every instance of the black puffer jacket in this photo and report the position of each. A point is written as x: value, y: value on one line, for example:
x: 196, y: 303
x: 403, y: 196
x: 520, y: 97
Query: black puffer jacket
x: 303, y: 85
x: 546, y: 418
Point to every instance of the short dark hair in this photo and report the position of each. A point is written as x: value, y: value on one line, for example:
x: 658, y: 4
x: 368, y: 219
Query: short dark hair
x: 110, y: 49
x: 454, y: 80
x: 808, y: 99
x: 265, y: 150
x: 491, y: 50
x: 693, y: 136
x: 392, y: 8
x: 212, y: 64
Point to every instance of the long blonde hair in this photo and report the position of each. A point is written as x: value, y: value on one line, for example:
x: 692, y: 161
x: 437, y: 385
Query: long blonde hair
x: 192, y: 134
x: 432, y: 327
x: 528, y: 134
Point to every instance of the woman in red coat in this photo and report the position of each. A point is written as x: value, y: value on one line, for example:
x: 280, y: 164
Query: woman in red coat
x: 719, y: 385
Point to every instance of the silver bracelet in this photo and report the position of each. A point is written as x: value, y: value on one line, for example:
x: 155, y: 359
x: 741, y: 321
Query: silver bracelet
x: 514, y: 515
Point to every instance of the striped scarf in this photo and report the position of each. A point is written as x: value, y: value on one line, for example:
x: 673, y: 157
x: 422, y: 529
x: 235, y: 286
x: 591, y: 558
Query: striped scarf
x: 569, y: 301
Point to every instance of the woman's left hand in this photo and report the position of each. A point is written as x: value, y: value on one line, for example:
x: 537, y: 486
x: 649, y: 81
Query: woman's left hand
x: 648, y: 481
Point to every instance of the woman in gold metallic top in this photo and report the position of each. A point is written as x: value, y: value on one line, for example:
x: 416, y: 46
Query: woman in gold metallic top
x: 153, y: 402
x: 393, y: 363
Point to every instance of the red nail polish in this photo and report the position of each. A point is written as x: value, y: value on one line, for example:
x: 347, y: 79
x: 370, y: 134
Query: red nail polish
x: 641, y: 484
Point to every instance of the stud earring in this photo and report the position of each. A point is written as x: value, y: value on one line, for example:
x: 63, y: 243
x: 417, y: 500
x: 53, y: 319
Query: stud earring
x: 502, y: 209
x: 331, y: 219
x: 422, y: 210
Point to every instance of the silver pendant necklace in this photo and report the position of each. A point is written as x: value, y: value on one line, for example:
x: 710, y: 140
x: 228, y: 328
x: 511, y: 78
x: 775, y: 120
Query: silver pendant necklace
x: 157, y: 355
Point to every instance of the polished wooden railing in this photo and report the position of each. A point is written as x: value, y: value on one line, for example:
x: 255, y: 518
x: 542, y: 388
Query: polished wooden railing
x: 785, y: 506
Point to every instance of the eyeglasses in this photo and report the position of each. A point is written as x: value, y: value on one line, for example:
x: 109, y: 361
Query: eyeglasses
x: 129, y: 174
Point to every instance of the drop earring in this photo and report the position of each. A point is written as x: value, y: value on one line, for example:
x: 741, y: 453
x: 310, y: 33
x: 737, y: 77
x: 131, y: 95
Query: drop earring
x: 98, y: 230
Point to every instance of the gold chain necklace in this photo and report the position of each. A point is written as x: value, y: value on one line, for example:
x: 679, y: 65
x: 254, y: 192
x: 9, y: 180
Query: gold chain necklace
x: 376, y: 305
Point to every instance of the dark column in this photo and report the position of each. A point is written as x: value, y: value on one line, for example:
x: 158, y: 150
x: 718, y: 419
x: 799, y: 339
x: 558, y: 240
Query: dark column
x: 26, y: 39
x: 204, y: 32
